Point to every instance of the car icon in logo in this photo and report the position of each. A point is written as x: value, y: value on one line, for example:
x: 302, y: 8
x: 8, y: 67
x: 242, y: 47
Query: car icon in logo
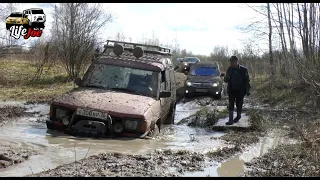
x: 36, y: 17
x: 16, y: 18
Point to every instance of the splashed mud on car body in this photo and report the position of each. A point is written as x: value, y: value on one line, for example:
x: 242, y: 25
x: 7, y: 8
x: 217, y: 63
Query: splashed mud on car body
x: 119, y: 95
x: 115, y: 103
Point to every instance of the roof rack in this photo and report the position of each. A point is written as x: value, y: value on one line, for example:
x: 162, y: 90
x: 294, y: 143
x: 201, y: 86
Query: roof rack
x: 151, y: 49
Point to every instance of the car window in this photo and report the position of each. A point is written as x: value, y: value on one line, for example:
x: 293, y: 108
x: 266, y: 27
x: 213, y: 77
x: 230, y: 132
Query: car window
x: 131, y: 80
x: 38, y: 11
x: 191, y: 60
x: 15, y: 15
x: 204, y: 71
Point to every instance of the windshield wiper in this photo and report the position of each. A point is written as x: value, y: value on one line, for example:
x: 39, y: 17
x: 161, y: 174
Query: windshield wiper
x: 124, y: 89
x: 101, y: 87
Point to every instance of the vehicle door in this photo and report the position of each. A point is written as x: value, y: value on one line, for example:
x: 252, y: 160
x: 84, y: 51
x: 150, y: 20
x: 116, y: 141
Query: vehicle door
x: 165, y: 86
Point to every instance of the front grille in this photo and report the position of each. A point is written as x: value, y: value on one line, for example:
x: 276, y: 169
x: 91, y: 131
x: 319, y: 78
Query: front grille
x: 202, y: 85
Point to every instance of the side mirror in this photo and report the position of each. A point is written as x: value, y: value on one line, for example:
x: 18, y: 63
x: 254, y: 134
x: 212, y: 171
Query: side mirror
x: 78, y: 81
x: 222, y: 74
x: 165, y: 94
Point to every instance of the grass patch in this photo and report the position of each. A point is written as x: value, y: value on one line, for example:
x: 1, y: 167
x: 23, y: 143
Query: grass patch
x: 283, y: 93
x: 17, y: 81
x: 206, y: 117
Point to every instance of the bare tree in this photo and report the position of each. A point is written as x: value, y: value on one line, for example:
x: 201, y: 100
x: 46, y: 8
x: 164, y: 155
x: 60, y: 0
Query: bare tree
x: 270, y: 43
x: 41, y: 55
x: 120, y: 36
x: 76, y: 32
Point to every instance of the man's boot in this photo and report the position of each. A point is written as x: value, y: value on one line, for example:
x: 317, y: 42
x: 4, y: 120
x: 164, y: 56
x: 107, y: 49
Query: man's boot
x: 230, y: 122
x: 238, y: 117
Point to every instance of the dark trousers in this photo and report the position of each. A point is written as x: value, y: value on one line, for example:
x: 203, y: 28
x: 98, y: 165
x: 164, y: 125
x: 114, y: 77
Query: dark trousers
x: 238, y: 98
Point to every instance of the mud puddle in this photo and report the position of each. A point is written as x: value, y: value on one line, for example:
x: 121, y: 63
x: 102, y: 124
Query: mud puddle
x: 235, y: 165
x: 55, y: 148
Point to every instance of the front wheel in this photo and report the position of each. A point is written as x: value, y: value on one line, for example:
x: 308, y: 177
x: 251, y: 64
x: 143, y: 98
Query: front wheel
x: 8, y: 26
x: 49, y: 125
x: 155, y: 132
x: 219, y: 96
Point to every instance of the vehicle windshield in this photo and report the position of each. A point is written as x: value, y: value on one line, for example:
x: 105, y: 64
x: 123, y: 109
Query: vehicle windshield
x: 15, y: 15
x: 37, y: 12
x: 192, y: 60
x: 136, y: 81
x: 204, y: 71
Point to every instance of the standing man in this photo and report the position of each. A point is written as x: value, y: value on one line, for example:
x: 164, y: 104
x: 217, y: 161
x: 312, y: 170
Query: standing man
x: 237, y: 77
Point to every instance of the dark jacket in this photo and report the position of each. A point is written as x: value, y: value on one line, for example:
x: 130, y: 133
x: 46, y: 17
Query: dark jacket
x: 241, y: 83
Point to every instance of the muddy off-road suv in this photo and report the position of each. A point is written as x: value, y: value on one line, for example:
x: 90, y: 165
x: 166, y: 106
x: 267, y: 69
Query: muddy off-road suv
x: 128, y: 90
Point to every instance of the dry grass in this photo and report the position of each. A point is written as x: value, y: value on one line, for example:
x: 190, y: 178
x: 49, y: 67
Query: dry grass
x: 284, y: 93
x: 17, y: 81
x: 257, y: 121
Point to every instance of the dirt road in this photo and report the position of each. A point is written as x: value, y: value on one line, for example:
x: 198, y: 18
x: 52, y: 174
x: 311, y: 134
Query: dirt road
x: 194, y: 149
x: 191, y: 147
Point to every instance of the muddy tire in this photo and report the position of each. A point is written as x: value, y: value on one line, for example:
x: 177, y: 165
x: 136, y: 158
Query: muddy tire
x: 155, y: 132
x: 8, y: 26
x: 188, y: 95
x: 49, y: 125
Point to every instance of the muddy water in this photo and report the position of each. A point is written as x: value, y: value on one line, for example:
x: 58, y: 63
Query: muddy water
x: 236, y: 165
x: 56, y: 148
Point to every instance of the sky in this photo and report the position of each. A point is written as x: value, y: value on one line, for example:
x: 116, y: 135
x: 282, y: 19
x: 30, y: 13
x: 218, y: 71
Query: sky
x: 198, y: 27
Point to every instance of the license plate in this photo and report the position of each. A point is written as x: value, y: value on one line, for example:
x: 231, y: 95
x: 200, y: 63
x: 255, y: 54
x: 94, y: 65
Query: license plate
x: 201, y: 90
x: 92, y: 113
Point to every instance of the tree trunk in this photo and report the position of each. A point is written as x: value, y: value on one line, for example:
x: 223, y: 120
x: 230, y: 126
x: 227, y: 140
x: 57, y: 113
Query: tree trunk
x: 270, y: 48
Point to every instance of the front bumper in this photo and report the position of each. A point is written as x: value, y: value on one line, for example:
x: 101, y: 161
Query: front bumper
x: 214, y: 91
x: 39, y: 21
x: 88, y: 128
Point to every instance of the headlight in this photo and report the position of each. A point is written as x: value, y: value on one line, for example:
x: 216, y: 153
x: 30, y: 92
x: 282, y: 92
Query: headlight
x: 215, y: 84
x: 65, y: 120
x: 131, y: 125
x: 186, y: 64
x: 189, y: 83
x: 60, y: 113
